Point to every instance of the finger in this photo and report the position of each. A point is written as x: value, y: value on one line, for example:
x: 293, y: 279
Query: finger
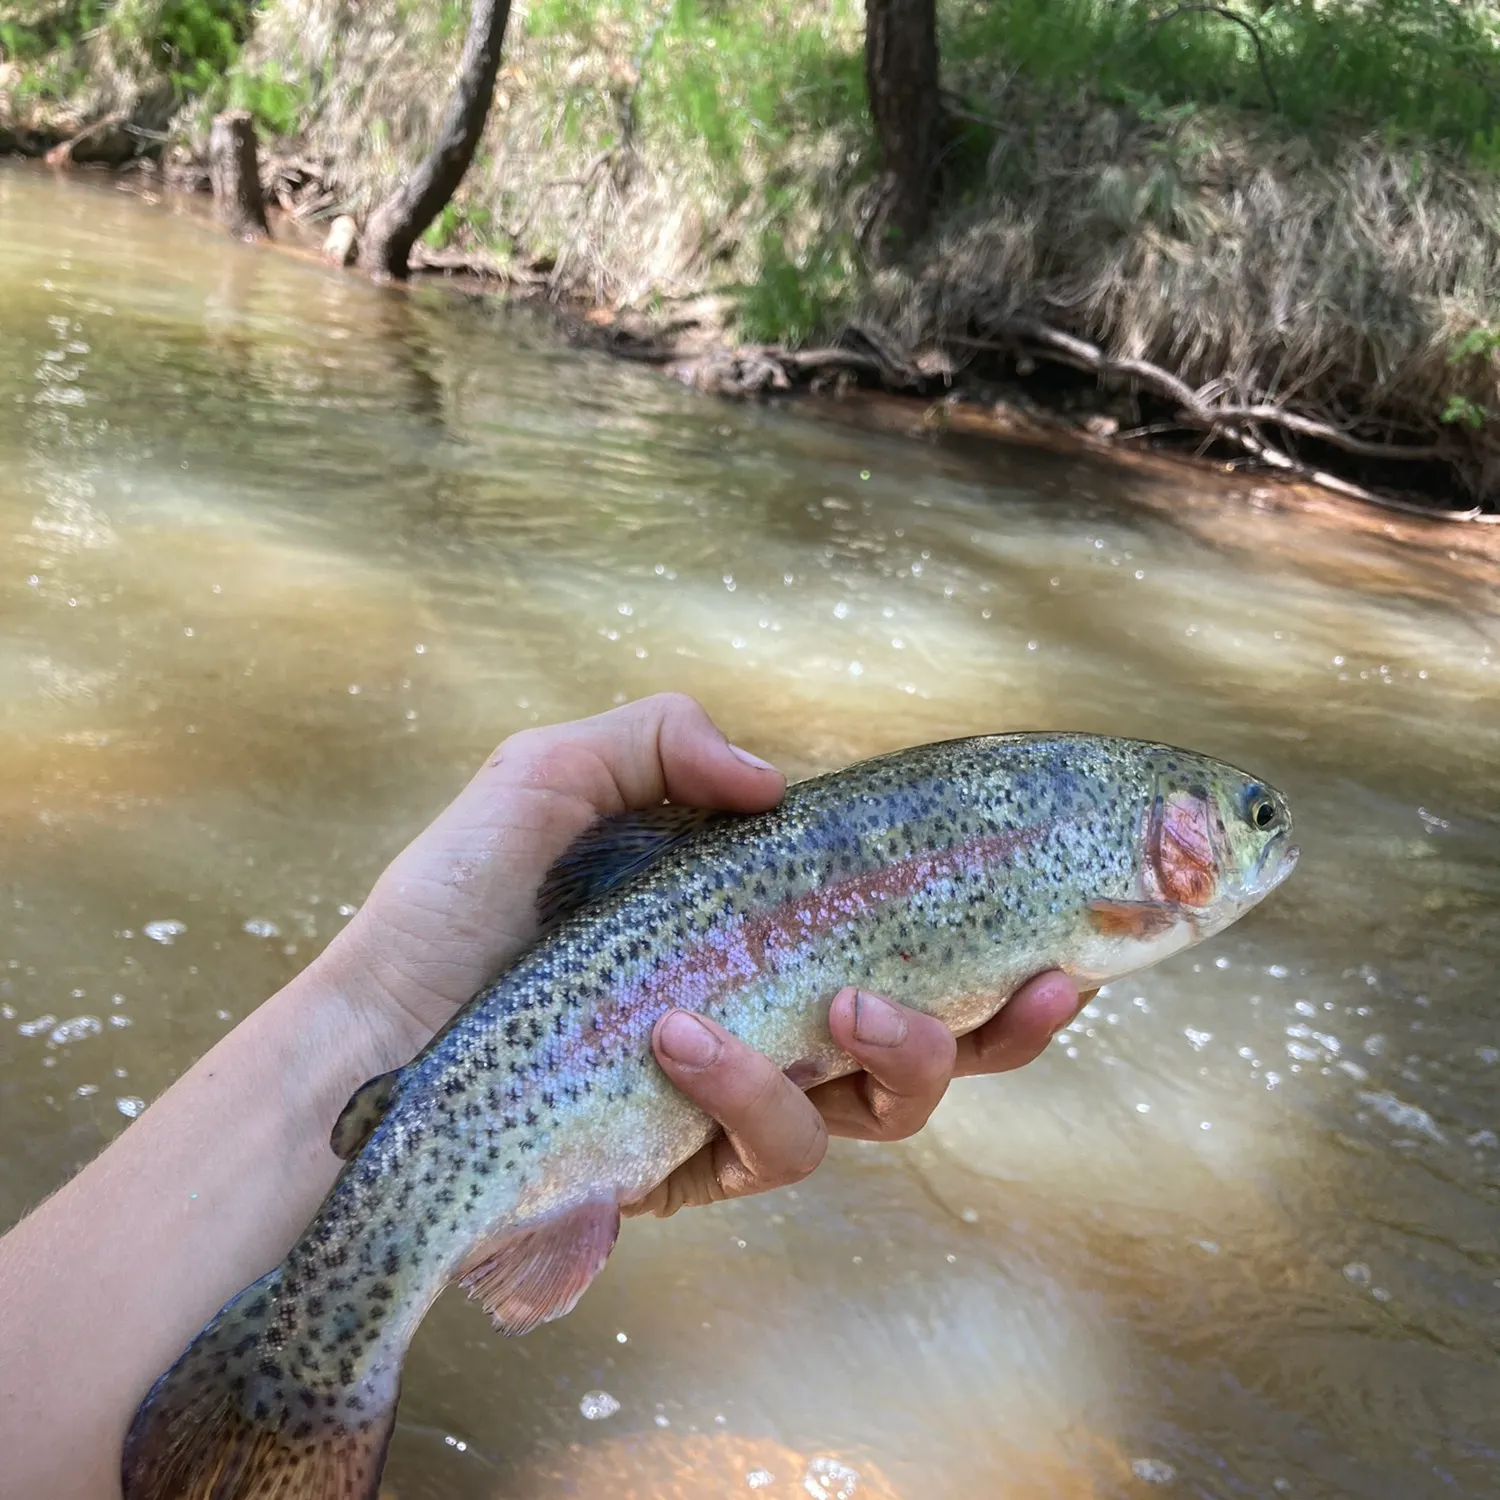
x: 907, y: 1060
x: 773, y: 1135
x: 1026, y: 1023
x: 660, y: 748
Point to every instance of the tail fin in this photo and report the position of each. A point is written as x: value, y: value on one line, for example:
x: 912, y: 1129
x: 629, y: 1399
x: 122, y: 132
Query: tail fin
x: 227, y: 1422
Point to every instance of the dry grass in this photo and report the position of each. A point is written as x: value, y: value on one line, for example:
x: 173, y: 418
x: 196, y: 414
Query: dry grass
x: 687, y: 206
x: 1254, y: 265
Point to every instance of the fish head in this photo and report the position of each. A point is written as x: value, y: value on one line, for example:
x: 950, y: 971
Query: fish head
x: 1217, y: 840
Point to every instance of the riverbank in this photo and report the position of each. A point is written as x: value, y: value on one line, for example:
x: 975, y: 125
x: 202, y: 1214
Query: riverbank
x: 1285, y: 257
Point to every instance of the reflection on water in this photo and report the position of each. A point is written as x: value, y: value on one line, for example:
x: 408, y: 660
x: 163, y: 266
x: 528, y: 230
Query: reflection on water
x: 286, y: 555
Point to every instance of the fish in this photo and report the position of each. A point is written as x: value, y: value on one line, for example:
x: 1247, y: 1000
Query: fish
x: 500, y: 1157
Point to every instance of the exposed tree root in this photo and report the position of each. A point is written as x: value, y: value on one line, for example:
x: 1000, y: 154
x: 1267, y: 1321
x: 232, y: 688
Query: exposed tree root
x: 61, y: 155
x: 762, y: 369
x: 1236, y: 425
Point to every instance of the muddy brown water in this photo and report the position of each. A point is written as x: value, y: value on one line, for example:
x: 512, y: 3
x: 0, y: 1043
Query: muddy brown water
x: 285, y: 555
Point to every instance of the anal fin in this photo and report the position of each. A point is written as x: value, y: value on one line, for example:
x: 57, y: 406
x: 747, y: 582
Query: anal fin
x: 538, y: 1271
x: 1135, y: 919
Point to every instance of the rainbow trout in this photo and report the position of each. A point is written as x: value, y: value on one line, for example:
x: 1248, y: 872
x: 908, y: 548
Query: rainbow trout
x: 943, y: 876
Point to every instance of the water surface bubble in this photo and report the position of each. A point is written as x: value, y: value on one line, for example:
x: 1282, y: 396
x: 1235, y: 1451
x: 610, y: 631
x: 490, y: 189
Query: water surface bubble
x: 1153, y: 1470
x: 828, y: 1479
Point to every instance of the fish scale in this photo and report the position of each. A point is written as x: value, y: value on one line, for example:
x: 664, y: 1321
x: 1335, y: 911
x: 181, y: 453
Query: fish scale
x: 943, y: 876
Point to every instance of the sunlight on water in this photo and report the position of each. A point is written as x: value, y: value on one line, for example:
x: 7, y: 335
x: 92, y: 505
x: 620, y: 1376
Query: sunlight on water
x: 287, y: 555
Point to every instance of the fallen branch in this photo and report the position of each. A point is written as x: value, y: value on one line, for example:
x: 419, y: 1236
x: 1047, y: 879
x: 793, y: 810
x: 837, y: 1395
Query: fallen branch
x: 1239, y: 20
x: 1326, y: 433
x: 804, y: 360
x: 61, y: 155
x: 1235, y: 425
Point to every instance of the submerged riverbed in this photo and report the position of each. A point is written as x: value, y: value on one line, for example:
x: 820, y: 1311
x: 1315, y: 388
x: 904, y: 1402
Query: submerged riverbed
x: 285, y: 554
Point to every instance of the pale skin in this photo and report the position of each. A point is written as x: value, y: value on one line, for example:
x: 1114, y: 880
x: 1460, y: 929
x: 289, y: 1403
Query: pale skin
x: 103, y: 1285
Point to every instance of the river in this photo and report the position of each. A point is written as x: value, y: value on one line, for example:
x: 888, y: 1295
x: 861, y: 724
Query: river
x: 286, y: 554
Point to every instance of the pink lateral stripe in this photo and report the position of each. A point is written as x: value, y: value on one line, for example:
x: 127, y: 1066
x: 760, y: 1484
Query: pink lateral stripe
x: 733, y: 953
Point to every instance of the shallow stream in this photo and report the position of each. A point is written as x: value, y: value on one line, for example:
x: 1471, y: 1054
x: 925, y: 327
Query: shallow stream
x: 283, y: 555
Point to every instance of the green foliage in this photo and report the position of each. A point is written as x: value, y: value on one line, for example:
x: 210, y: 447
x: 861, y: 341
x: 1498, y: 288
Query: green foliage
x: 197, y: 41
x: 23, y: 43
x: 1478, y: 343
x: 45, y: 41
x: 29, y: 32
x: 1463, y: 412
x: 461, y: 221
x: 1481, y: 343
x: 1418, y: 70
x: 732, y: 78
x: 739, y: 93
x: 192, y: 43
x: 797, y: 298
x: 279, y: 104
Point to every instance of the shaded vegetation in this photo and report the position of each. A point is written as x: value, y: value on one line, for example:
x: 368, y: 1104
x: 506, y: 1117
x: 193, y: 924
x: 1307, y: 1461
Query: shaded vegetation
x: 1415, y: 71
x: 187, y: 45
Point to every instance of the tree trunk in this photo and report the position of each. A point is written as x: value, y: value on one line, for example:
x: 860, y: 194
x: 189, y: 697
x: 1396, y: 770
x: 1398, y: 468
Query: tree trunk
x: 901, y: 77
x: 235, y: 174
x: 396, y: 224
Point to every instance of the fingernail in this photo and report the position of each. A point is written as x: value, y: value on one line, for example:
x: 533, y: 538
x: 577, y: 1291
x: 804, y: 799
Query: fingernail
x: 686, y: 1040
x: 751, y: 760
x: 877, y: 1023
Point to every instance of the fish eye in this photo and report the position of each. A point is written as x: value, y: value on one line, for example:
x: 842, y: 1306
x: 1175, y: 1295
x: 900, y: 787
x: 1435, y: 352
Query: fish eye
x: 1262, y: 812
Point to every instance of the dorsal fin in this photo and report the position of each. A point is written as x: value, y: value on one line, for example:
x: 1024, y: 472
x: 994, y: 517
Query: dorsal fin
x: 608, y: 851
x: 364, y: 1111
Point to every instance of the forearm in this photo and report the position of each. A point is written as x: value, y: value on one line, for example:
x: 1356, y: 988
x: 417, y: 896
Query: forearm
x: 105, y: 1283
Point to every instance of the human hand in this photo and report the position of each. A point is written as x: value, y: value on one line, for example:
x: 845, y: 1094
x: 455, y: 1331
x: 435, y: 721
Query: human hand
x: 774, y: 1134
x: 459, y: 903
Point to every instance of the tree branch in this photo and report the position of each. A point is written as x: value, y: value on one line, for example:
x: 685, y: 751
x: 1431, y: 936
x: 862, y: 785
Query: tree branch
x: 1239, y: 20
x: 396, y: 225
x: 637, y: 67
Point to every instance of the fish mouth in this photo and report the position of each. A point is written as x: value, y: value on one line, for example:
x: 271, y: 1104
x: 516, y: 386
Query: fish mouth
x: 1277, y: 860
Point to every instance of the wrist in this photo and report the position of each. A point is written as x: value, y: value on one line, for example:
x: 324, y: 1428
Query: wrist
x: 335, y: 1026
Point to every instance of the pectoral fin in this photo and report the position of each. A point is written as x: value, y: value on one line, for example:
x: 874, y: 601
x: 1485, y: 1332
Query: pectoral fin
x: 364, y: 1111
x: 1134, y: 919
x: 538, y: 1271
